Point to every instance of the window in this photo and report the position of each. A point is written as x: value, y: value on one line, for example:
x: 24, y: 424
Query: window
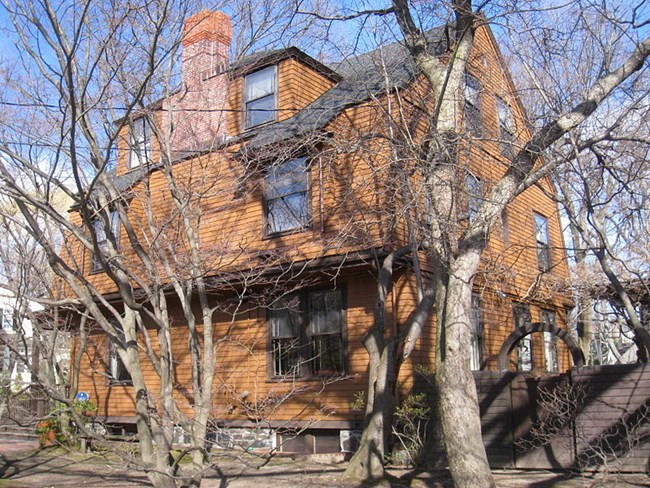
x: 6, y: 319
x: 506, y: 127
x: 550, y: 342
x: 474, y: 194
x: 259, y: 97
x: 286, y: 325
x: 286, y: 196
x: 140, y: 142
x: 543, y: 243
x: 103, y: 238
x: 117, y: 372
x: 306, y: 335
x: 521, y: 315
x: 472, y: 105
x: 476, y: 325
x: 22, y: 358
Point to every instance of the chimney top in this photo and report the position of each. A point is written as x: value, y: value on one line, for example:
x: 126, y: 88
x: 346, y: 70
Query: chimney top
x: 207, y: 25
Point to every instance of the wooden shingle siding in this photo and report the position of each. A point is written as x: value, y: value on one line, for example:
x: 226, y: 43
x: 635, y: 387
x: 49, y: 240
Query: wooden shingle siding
x: 354, y: 208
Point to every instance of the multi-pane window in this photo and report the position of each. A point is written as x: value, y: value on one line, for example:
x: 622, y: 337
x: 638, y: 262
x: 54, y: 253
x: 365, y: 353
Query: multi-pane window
x: 286, y: 197
x: 472, y: 105
x: 140, y: 142
x: 260, y: 97
x: 285, y: 319
x: 476, y: 325
x: 102, y: 238
x: 550, y: 342
x: 326, y: 332
x: 521, y: 315
x: 306, y: 335
x: 506, y: 127
x: 543, y: 242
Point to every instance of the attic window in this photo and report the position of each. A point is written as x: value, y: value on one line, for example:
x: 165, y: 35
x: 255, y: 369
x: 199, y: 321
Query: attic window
x: 260, y: 97
x: 472, y: 105
x: 140, y: 142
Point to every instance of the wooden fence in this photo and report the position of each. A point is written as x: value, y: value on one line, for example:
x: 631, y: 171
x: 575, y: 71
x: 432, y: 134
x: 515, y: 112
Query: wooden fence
x: 588, y: 418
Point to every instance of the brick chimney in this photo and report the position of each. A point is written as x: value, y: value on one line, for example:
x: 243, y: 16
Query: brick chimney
x: 196, y: 114
x: 206, y: 45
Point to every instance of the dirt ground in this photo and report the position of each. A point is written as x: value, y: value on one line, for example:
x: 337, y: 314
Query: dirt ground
x: 23, y: 465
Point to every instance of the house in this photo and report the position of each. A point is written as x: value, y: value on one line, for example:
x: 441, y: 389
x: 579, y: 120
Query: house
x: 295, y: 205
x: 15, y: 342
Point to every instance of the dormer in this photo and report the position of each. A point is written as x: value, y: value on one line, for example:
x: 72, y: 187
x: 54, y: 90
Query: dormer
x: 273, y: 86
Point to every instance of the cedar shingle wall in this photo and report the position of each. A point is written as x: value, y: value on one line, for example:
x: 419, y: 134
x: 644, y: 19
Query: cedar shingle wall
x: 351, y: 210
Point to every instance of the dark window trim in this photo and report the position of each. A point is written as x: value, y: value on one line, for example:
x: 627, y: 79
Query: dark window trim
x: 473, y: 123
x: 473, y: 194
x: 543, y: 247
x: 276, y: 89
x: 308, y: 197
x: 306, y: 373
x: 554, y: 339
x: 518, y: 310
x: 506, y: 133
x: 480, y: 333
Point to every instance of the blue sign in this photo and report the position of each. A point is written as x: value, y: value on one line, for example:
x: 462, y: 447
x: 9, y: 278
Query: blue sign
x: 82, y: 396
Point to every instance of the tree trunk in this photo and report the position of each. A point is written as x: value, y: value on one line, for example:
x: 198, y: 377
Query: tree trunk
x: 368, y: 461
x: 457, y: 397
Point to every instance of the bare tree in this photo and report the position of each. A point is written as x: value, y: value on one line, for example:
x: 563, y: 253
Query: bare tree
x: 454, y: 250
x: 88, y: 76
x: 602, y: 181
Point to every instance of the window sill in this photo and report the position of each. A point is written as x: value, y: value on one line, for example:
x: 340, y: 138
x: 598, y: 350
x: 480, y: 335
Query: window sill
x: 246, y: 130
x: 313, y: 378
x: 297, y: 230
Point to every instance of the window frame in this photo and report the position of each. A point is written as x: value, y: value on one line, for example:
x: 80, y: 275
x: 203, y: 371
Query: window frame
x: 273, y: 96
x: 551, y: 352
x: 306, y: 222
x: 521, y: 316
x: 140, y: 148
x: 6, y: 318
x: 102, y: 245
x: 472, y: 101
x: 543, y: 244
x: 476, y: 333
x: 304, y: 348
x: 507, y: 126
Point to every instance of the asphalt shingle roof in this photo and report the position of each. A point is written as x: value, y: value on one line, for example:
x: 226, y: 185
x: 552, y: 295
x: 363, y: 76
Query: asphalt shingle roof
x: 363, y: 77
